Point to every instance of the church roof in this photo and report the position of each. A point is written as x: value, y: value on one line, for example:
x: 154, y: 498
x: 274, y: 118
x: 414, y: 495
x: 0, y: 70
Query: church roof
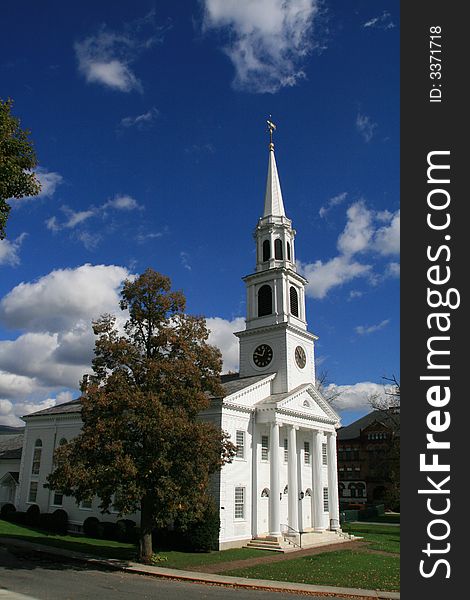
x: 233, y: 383
x: 74, y: 406
x: 273, y: 204
x: 11, y: 446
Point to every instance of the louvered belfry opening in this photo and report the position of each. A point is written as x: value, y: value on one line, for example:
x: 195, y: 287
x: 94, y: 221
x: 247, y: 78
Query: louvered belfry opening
x: 265, y: 301
x: 294, y: 301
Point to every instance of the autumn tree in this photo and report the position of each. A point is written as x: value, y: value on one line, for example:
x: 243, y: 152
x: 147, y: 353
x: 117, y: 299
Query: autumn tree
x: 142, y: 446
x: 17, y: 159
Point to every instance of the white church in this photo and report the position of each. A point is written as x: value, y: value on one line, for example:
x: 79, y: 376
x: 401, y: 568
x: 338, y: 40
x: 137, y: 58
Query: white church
x: 283, y: 479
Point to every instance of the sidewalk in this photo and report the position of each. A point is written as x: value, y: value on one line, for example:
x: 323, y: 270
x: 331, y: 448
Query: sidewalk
x: 210, y: 578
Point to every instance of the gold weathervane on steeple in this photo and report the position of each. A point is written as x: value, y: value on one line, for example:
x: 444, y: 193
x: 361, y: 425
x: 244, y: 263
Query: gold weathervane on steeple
x: 271, y: 128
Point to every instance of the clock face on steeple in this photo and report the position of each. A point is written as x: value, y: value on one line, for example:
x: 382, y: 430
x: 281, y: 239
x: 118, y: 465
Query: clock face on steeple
x: 262, y: 355
x: 300, y: 357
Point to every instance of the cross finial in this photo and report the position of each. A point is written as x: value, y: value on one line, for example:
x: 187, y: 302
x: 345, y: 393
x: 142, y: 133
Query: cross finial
x: 271, y: 128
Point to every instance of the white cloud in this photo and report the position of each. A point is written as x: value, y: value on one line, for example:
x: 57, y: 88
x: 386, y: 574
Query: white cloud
x: 361, y: 235
x: 387, y: 238
x: 56, y: 348
x: 335, y: 201
x: 56, y: 302
x: 10, y: 413
x: 393, y: 269
x: 382, y: 22
x: 222, y: 336
x: 122, y: 202
x: 365, y: 126
x: 142, y: 121
x: 49, y: 181
x: 107, y: 58
x: 322, y: 277
x: 358, y: 231
x: 9, y: 251
x: 356, y: 396
x: 366, y: 330
x: 76, y: 219
x: 268, y: 40
x: 184, y: 256
x: 355, y: 294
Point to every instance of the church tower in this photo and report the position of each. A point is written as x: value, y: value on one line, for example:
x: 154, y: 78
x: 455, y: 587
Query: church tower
x: 276, y: 339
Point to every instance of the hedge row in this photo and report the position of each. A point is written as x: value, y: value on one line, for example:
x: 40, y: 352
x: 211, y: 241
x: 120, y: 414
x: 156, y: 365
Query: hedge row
x: 56, y: 522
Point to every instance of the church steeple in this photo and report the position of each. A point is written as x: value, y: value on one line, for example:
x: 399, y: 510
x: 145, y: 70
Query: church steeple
x: 273, y: 204
x: 276, y: 337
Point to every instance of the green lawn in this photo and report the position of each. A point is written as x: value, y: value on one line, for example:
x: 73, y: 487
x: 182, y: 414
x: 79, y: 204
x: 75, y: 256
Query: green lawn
x: 381, y: 537
x: 111, y: 549
x: 189, y: 561
x: 344, y: 568
x: 76, y: 543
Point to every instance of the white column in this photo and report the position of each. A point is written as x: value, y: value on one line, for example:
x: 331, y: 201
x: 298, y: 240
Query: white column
x: 274, y: 491
x: 333, y: 501
x: 254, y: 478
x: 317, y: 487
x: 293, y: 495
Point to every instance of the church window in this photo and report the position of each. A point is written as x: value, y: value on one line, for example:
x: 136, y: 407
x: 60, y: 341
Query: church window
x: 239, y: 503
x: 306, y: 453
x: 324, y: 454
x: 57, y: 499
x: 294, y: 301
x: 264, y: 447
x: 278, y: 249
x: 325, y: 500
x: 265, y: 493
x: 36, y: 465
x: 286, y: 449
x: 308, y: 492
x: 265, y: 301
x: 33, y: 491
x: 240, y: 443
x: 266, y: 250
x: 288, y: 251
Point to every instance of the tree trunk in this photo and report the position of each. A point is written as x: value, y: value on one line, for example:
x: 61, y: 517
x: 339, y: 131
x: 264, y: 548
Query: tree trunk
x: 146, y: 526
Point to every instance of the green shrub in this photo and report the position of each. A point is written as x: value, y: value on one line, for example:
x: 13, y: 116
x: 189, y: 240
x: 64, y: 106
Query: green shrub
x: 32, y: 515
x: 7, y: 510
x: 202, y: 535
x: 92, y: 527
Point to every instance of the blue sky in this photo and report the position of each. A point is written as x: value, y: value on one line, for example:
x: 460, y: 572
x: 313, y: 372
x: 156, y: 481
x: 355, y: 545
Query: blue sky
x: 149, y: 121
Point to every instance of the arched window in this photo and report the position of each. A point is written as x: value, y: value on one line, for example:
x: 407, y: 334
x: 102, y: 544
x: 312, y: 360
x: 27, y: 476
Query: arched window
x: 265, y: 493
x: 294, y: 301
x: 288, y: 251
x: 308, y: 492
x: 36, y: 464
x: 266, y: 250
x: 278, y: 249
x: 265, y: 301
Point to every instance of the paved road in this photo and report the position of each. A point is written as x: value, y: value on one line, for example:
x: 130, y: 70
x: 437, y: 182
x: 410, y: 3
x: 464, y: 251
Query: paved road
x: 38, y: 578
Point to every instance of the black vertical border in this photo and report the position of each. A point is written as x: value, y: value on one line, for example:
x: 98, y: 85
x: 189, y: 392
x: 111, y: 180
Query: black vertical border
x: 427, y: 127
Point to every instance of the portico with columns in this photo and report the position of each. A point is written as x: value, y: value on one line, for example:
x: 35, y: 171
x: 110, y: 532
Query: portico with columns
x: 284, y: 477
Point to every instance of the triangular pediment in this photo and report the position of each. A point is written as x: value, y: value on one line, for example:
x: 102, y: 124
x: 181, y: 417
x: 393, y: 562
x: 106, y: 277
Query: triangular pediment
x: 305, y: 401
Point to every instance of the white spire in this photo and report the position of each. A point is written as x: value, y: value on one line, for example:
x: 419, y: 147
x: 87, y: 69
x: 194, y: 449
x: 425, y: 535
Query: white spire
x: 273, y: 204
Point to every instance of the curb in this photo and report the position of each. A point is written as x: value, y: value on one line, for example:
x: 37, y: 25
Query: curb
x: 207, y: 578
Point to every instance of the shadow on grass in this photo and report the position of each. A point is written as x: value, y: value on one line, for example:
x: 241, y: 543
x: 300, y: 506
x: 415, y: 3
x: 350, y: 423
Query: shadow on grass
x: 97, y: 550
x: 15, y: 559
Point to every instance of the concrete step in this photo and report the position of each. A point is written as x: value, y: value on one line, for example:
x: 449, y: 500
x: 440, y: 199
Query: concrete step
x: 263, y: 544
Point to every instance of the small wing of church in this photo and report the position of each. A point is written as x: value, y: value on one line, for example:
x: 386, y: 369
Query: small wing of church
x: 283, y: 479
